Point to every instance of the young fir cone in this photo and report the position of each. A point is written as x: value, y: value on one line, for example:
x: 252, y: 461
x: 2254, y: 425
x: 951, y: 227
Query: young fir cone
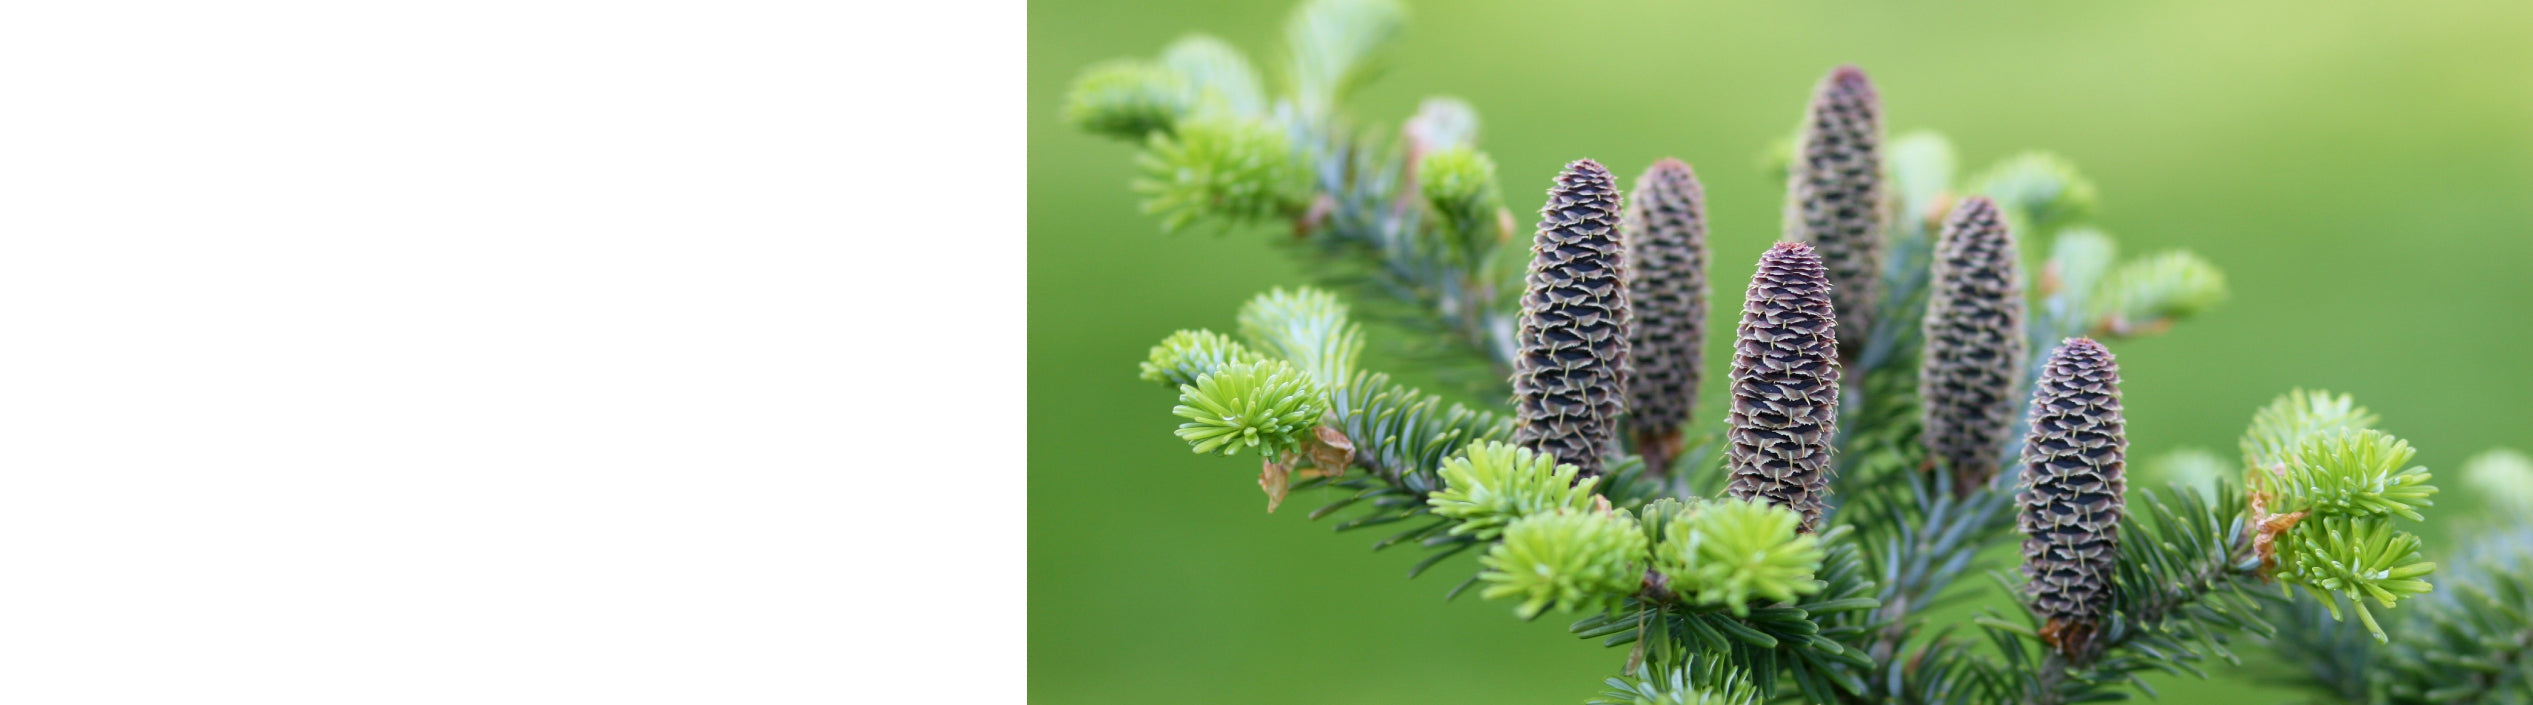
x: 1834, y: 198
x: 1785, y: 384
x: 1974, y: 344
x: 1572, y: 367
x: 2072, y: 493
x: 1666, y: 248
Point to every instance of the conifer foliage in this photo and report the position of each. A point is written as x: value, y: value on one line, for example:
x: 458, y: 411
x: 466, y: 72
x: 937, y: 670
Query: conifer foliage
x: 1804, y: 544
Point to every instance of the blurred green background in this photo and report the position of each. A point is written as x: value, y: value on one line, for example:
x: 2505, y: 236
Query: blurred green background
x: 2363, y: 171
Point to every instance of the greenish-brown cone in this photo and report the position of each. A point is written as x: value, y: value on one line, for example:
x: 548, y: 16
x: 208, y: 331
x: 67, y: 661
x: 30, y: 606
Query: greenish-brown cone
x: 1666, y: 245
x: 2073, y: 494
x: 1834, y: 198
x: 1974, y: 344
x: 1785, y: 385
x: 1570, y: 374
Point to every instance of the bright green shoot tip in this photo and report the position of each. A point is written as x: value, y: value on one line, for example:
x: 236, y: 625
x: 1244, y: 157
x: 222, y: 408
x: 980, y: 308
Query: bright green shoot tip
x: 1265, y: 405
x: 2361, y: 557
x: 1730, y: 552
x: 2354, y: 473
x: 2279, y: 429
x: 1493, y: 484
x: 1584, y: 560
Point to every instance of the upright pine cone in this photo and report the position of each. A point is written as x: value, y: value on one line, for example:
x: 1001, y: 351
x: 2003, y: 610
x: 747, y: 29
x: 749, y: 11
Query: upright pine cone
x: 1785, y: 384
x: 1572, y: 368
x: 1666, y: 247
x: 1974, y: 344
x: 2072, y: 487
x: 1834, y: 198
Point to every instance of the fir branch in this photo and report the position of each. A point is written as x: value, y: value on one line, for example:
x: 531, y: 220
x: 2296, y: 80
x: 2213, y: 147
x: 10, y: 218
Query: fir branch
x: 1332, y: 45
x: 1267, y: 405
x: 1402, y: 439
x: 1307, y: 326
x: 1127, y: 99
x: 1457, y: 290
x: 1402, y: 435
x: 1697, y: 682
x: 2358, y: 556
x: 1566, y: 559
x: 1491, y: 485
x: 2472, y: 641
x: 2325, y: 493
x: 2278, y: 430
x: 2333, y: 658
x: 1189, y: 355
x: 2186, y: 578
x: 2038, y: 191
x: 2358, y: 472
x: 1807, y: 644
x: 1228, y: 171
x: 1724, y: 553
x: 2146, y: 296
x: 1413, y: 228
x: 1220, y: 151
x: 2191, y: 562
x: 1924, y: 537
